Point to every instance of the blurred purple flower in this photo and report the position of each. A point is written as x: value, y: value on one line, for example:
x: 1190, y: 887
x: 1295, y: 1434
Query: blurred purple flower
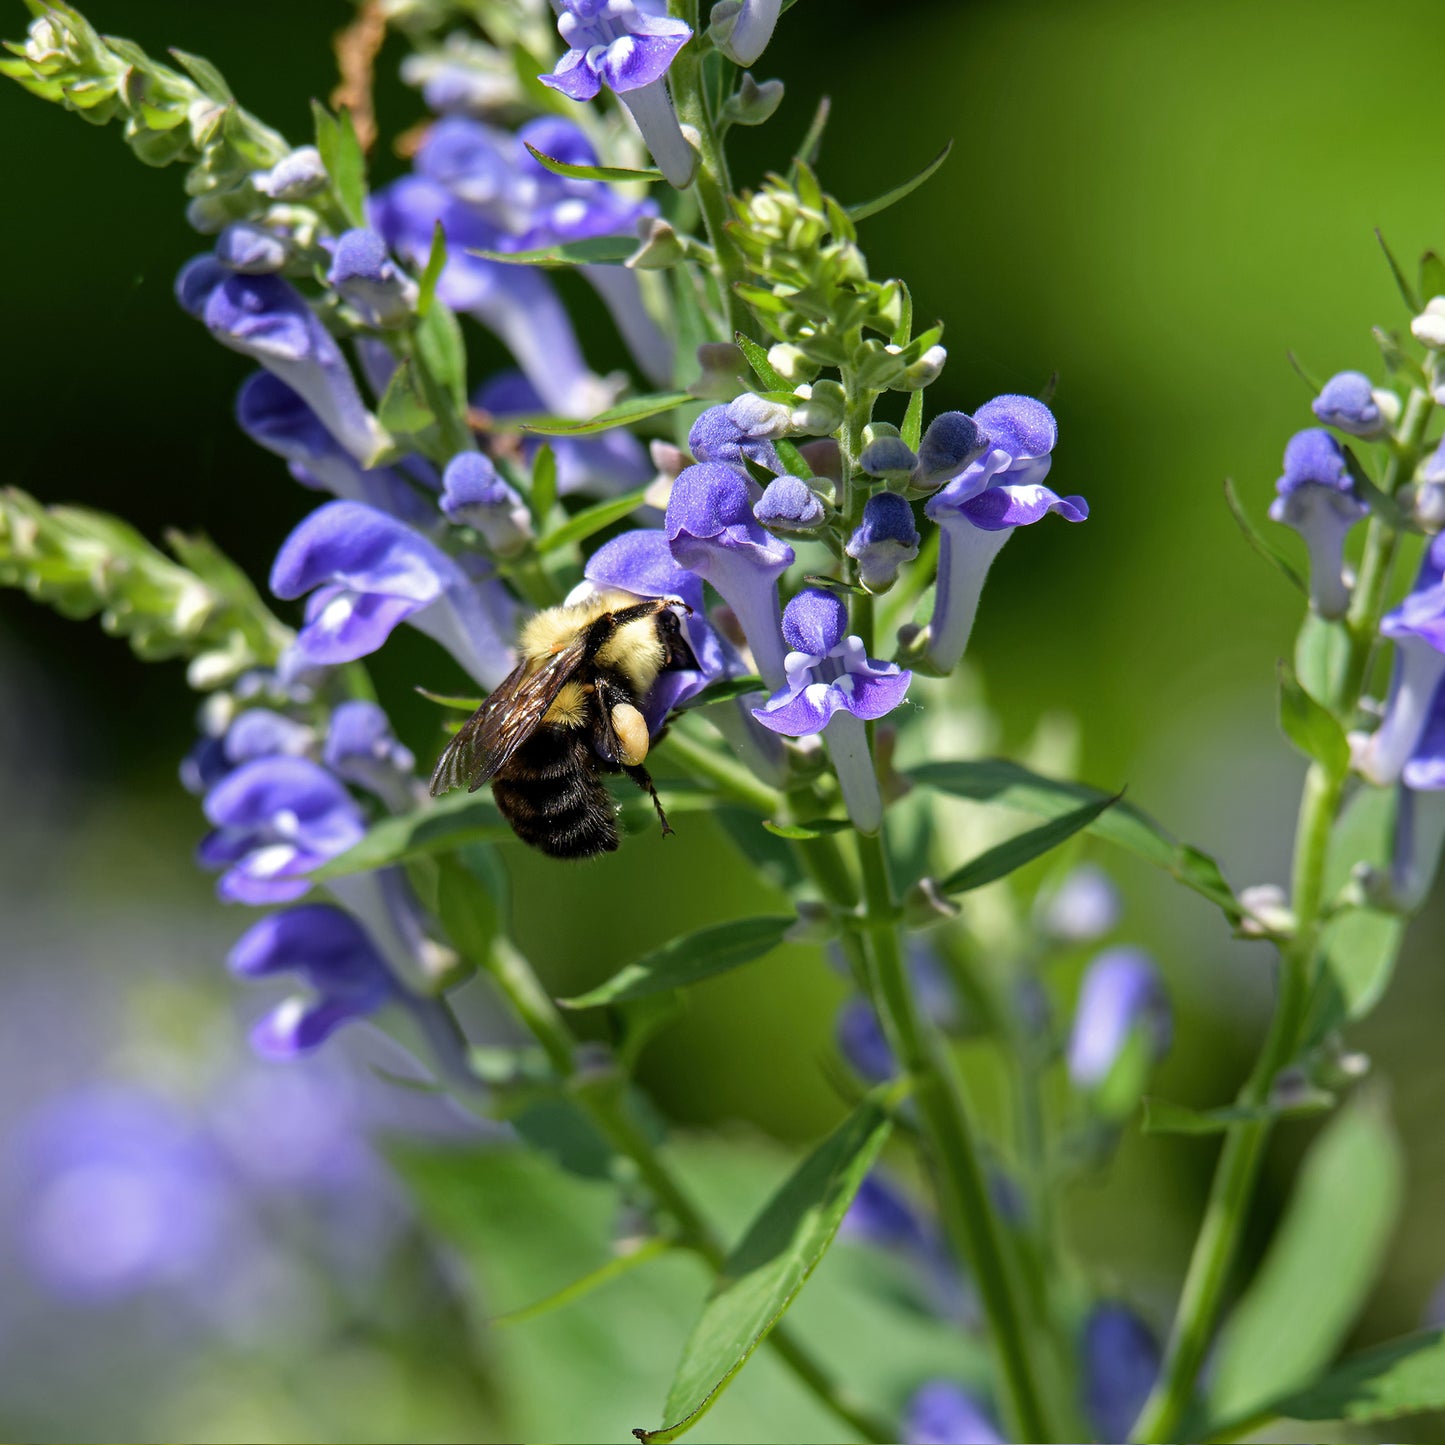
x: 275, y: 820
x: 1084, y: 906
x: 1316, y: 498
x: 1122, y: 992
x: 944, y: 1413
x: 1120, y: 1362
x: 362, y: 749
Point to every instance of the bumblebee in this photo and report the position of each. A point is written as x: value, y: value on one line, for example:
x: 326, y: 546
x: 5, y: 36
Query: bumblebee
x: 569, y: 711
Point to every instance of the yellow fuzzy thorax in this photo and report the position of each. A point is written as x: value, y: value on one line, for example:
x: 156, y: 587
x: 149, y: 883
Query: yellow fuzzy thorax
x: 634, y: 650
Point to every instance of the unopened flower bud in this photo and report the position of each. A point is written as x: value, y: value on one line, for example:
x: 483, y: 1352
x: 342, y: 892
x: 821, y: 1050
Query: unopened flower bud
x: 821, y: 408
x: 886, y: 539
x: 1267, y: 913
x: 885, y: 453
x: 753, y: 104
x: 925, y: 371
x: 1429, y: 326
x: 953, y: 440
x: 474, y: 495
x: 1347, y: 401
x: 789, y: 505
x: 253, y: 249
x: 660, y: 247
x: 293, y: 177
x: 759, y: 418
x: 791, y: 364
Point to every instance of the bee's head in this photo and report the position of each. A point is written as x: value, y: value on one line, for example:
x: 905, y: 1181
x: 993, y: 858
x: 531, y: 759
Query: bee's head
x: 680, y: 656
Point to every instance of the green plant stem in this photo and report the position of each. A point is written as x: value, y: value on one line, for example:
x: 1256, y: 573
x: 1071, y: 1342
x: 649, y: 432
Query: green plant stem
x: 733, y: 781
x: 711, y: 185
x: 605, y: 1102
x: 1237, y: 1171
x: 967, y: 1209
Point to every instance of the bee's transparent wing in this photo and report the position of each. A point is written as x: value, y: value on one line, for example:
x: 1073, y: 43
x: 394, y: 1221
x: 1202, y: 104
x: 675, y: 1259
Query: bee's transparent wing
x: 508, y: 717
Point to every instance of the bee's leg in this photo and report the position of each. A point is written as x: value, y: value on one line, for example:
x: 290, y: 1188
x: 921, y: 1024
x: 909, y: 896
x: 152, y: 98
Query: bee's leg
x: 643, y: 779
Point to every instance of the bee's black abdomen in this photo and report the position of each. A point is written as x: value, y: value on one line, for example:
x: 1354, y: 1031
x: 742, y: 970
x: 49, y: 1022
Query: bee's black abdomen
x: 550, y: 793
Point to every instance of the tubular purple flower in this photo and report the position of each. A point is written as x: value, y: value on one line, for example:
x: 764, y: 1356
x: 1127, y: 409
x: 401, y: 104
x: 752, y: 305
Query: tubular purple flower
x: 261, y: 732
x: 944, y: 1413
x: 886, y: 539
x: 1419, y: 821
x: 834, y: 688
x: 1417, y: 628
x: 365, y: 275
x: 1085, y: 906
x: 1348, y: 401
x: 474, y: 495
x: 739, y: 434
x: 712, y: 531
x: 880, y: 1215
x: 1315, y: 497
x: 953, y: 441
x: 862, y: 1043
x: 627, y: 45
x: 601, y: 465
x: 275, y: 820
x: 362, y: 749
x: 789, y: 504
x: 1120, y: 1363
x: 368, y: 573
x: 978, y: 511
x: 267, y: 319
x: 1122, y: 992
x: 741, y: 29
x: 333, y: 956
x: 274, y: 417
x: 516, y: 303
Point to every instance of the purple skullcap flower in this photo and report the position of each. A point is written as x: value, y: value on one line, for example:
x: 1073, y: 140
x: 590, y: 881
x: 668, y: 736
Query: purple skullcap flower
x: 245, y: 246
x: 293, y: 177
x: 560, y: 208
x: 517, y: 303
x: 276, y: 819
x: 204, y: 766
x: 627, y: 45
x: 1417, y: 628
x: 741, y: 29
x: 833, y: 687
x: 121, y: 1195
x: 1085, y: 906
x: 267, y: 319
x: 944, y: 1413
x: 276, y: 418
x: 737, y: 435
x: 953, y: 441
x: 712, y: 531
x: 463, y: 75
x: 370, y: 573
x: 474, y: 495
x: 979, y: 510
x: 642, y: 562
x: 1122, y: 992
x: 1316, y: 498
x: 862, y: 1043
x: 789, y: 504
x: 880, y: 1215
x: 475, y: 163
x: 261, y: 732
x: 365, y: 275
x: 886, y: 539
x: 601, y: 465
x: 333, y: 955
x: 1347, y: 401
x: 362, y: 749
x: 1120, y: 1363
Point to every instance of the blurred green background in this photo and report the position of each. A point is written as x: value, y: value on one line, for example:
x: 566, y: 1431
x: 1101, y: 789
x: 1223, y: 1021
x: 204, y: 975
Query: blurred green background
x: 1155, y: 202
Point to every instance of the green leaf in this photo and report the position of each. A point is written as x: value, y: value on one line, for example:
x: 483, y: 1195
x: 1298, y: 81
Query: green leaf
x: 594, y: 251
x: 757, y: 356
x: 619, y: 1264
x: 590, y: 173
x: 638, y: 408
x: 436, y: 260
x: 592, y: 519
x: 1432, y: 276
x: 1010, y: 785
x: 803, y: 832
x: 1163, y: 1117
x: 466, y: 909
x: 864, y: 209
x: 1003, y: 859
x: 725, y: 690
x: 768, y: 1268
x: 461, y: 704
x: 1319, y: 654
x: 1256, y: 538
x: 344, y: 160
x: 404, y: 411
x: 1309, y: 726
x: 211, y: 81
x: 1404, y: 1377
x: 912, y: 428
x: 812, y: 142
x: 1406, y: 290
x: 689, y: 959
x: 543, y: 491
x: 1320, y: 1267
x: 451, y: 821
x: 443, y: 352
x: 793, y: 459
x: 1381, y: 504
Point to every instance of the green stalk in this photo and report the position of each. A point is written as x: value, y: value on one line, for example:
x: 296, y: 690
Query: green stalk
x: 732, y: 781
x: 711, y: 185
x: 1236, y: 1173
x: 515, y: 977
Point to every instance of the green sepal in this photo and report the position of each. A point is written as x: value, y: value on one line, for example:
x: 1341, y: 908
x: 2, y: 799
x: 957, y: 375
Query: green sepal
x: 1311, y: 727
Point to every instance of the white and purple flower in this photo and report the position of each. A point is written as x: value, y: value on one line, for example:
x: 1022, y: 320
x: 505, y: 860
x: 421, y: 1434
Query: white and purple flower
x: 1316, y: 497
x: 885, y: 539
x: 474, y: 494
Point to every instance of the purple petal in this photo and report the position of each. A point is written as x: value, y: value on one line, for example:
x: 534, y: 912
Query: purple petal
x: 877, y: 693
x: 996, y: 508
x: 632, y: 61
x: 814, y: 622
x: 799, y: 714
x: 573, y: 77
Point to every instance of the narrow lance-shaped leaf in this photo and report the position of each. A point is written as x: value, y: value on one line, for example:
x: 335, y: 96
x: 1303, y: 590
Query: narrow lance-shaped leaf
x: 592, y: 519
x: 344, y: 160
x: 765, y: 1272
x: 592, y: 251
x: 1010, y: 785
x: 1256, y: 538
x: 757, y: 356
x: 1003, y: 859
x: 1407, y: 291
x: 1309, y: 726
x: 689, y: 959
x: 639, y: 408
x: 590, y: 173
x: 1163, y: 1117
x: 864, y: 209
x: 453, y: 820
